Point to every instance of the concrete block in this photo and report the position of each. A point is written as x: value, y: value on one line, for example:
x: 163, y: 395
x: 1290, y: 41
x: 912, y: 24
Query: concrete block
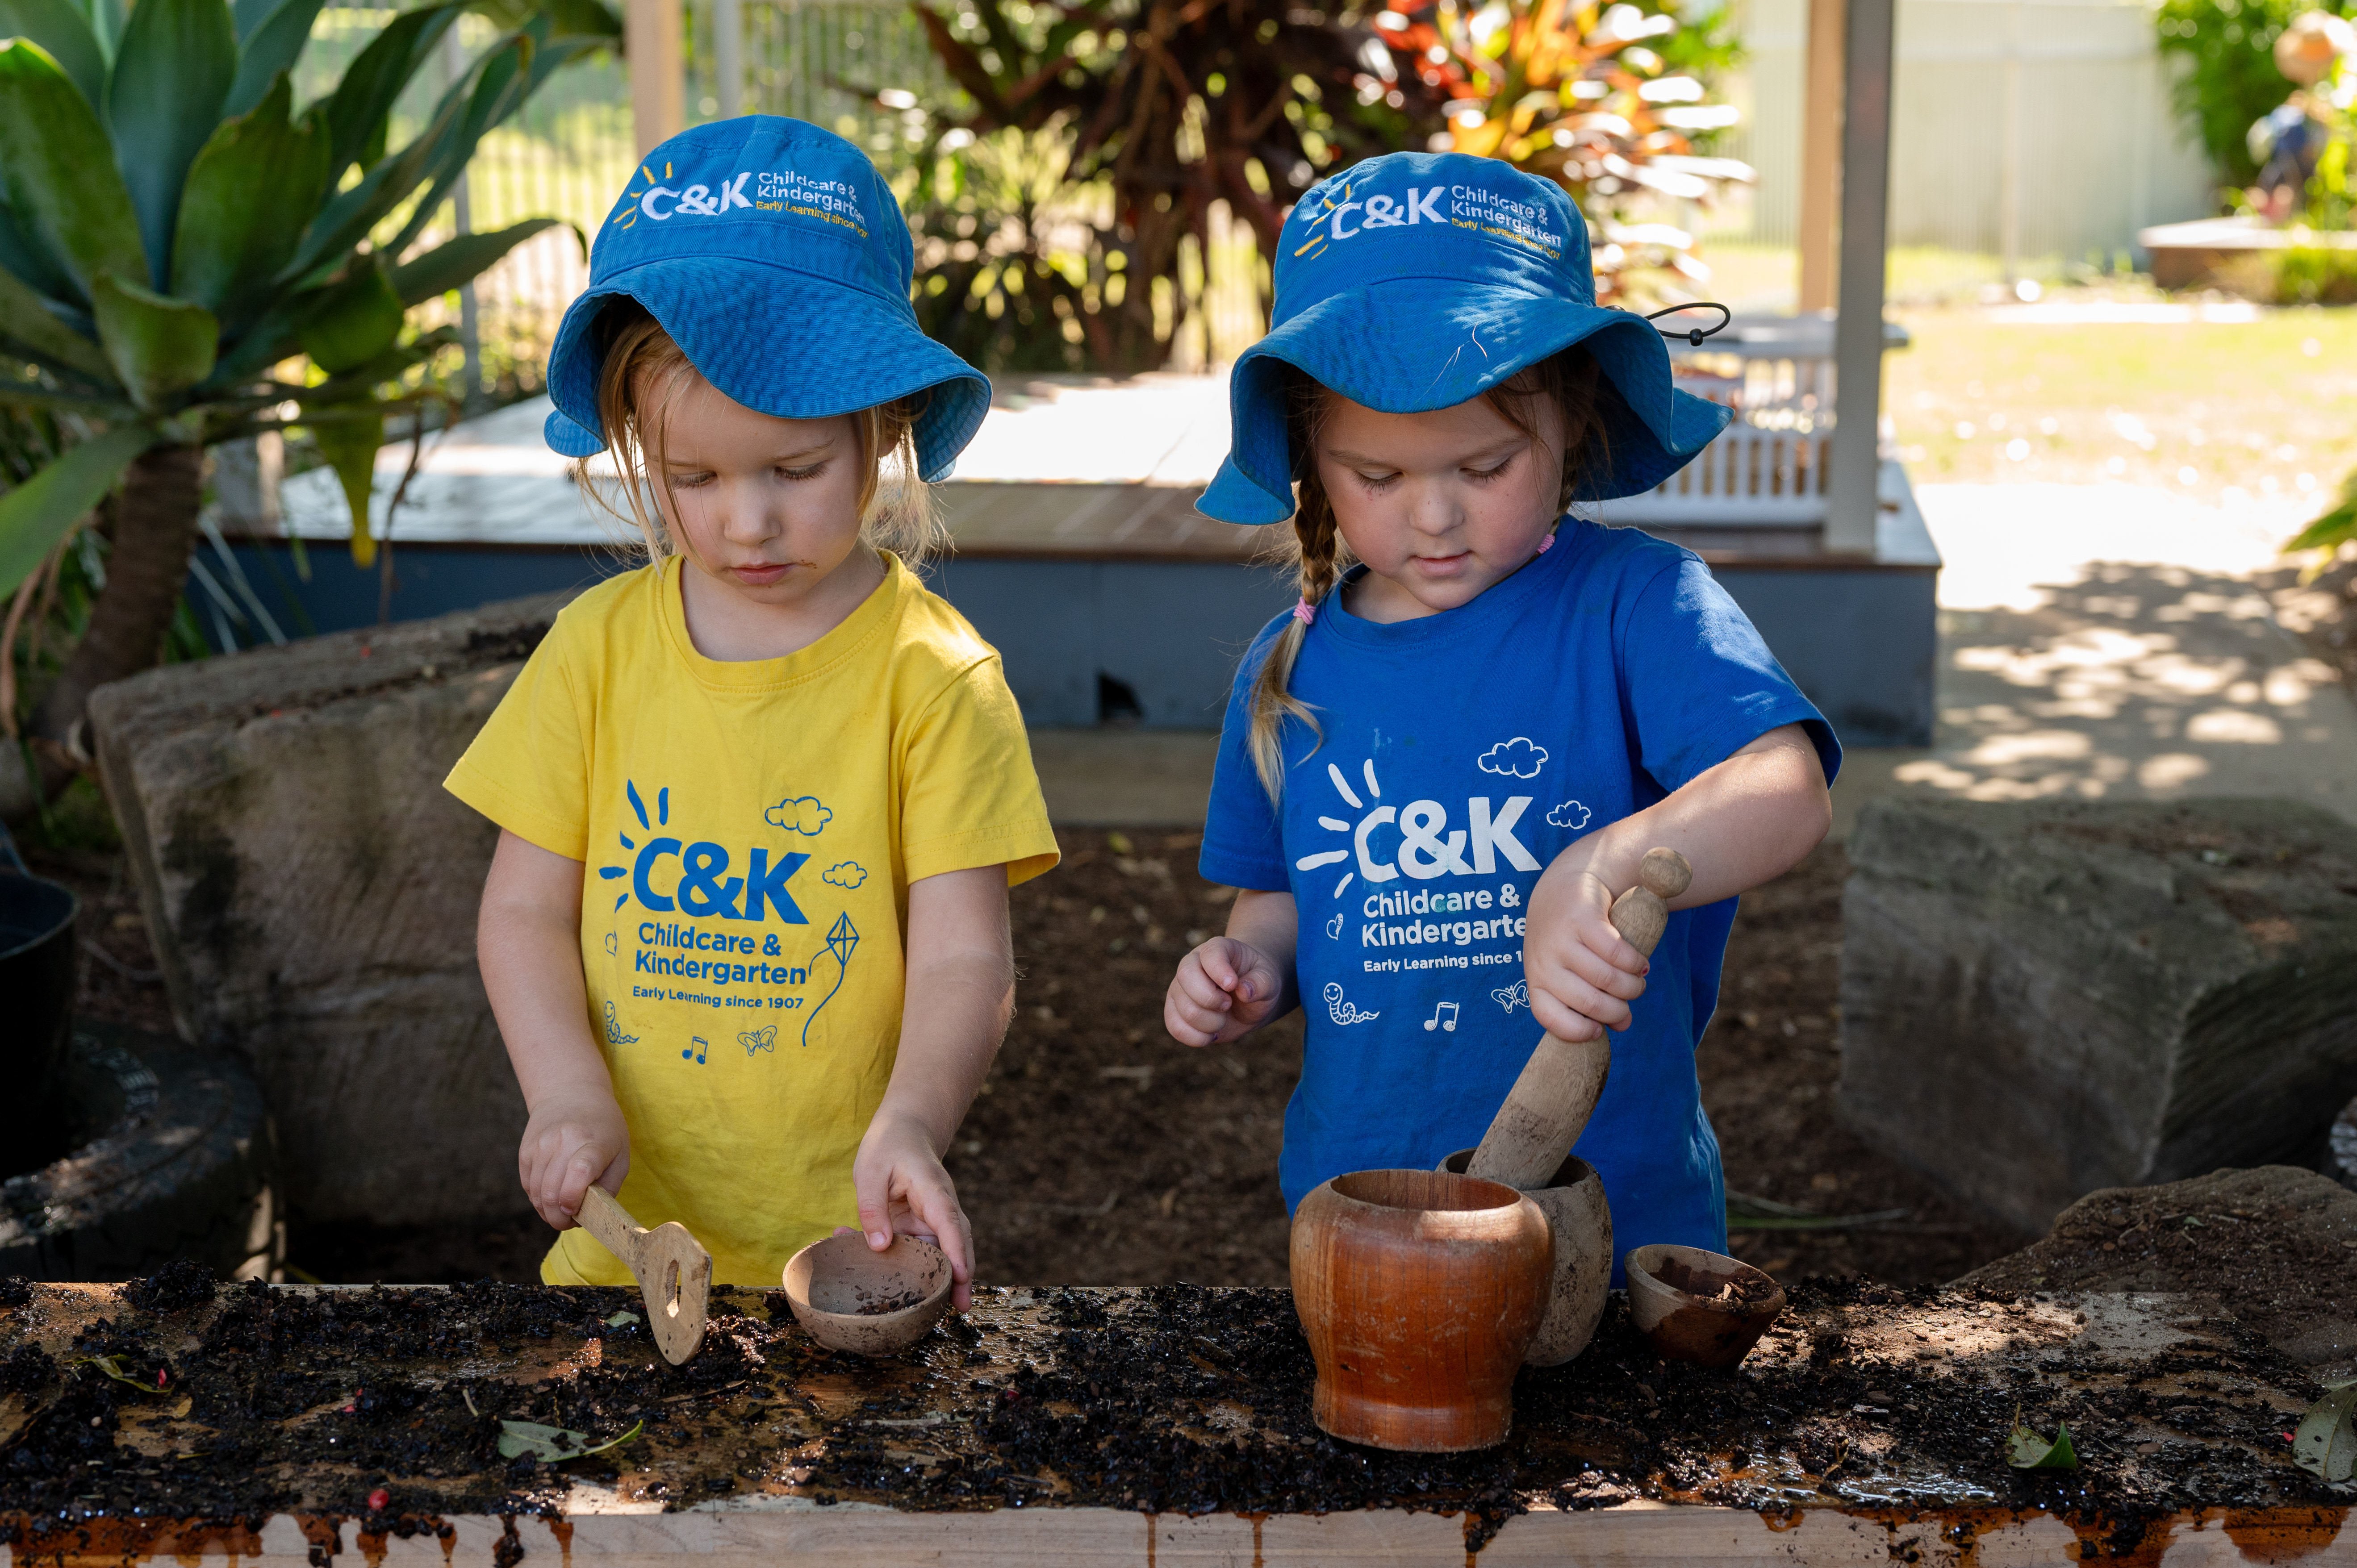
x: 2044, y: 998
x: 312, y: 891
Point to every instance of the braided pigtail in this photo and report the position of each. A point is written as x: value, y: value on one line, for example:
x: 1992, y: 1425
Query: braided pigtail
x: 1319, y: 557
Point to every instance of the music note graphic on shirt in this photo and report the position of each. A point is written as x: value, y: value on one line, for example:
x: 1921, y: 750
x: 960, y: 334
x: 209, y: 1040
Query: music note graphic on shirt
x: 1437, y: 1021
x: 696, y: 1049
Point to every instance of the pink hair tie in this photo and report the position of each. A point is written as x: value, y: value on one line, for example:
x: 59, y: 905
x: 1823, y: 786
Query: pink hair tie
x: 1304, y: 612
x: 1547, y: 544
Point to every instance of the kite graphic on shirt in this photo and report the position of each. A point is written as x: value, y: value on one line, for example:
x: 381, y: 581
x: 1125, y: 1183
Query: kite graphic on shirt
x: 842, y: 940
x: 1343, y: 1012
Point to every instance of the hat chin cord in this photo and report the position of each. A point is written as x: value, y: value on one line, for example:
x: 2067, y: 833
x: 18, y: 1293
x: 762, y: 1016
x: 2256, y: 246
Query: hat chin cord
x: 1693, y: 336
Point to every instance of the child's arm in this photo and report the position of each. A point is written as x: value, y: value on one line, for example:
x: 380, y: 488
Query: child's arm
x: 961, y: 995
x: 528, y: 939
x: 1750, y: 819
x: 1232, y: 985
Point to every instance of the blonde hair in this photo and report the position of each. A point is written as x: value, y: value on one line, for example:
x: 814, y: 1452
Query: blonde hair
x: 1568, y: 380
x: 895, y: 510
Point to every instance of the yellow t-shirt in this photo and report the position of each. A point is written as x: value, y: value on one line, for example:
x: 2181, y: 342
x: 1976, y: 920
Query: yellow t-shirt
x: 749, y: 833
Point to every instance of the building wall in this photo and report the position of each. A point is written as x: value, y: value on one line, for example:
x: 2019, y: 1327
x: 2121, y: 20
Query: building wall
x: 2055, y: 109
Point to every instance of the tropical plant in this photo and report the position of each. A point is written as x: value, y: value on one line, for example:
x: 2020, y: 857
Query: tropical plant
x: 1096, y: 135
x: 187, y: 259
x: 2226, y: 76
x: 1609, y: 102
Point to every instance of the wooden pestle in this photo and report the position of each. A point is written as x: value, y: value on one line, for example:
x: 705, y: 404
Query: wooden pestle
x: 673, y: 1270
x: 1551, y: 1101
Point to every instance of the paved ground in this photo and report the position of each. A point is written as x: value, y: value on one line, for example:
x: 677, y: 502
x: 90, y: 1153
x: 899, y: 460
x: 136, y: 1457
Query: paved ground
x: 2118, y: 641
x: 2106, y: 641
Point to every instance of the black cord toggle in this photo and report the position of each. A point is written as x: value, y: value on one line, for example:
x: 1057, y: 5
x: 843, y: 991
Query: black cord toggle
x: 1693, y: 336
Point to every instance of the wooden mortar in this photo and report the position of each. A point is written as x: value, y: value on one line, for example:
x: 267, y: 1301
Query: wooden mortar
x: 1581, y: 1221
x: 1420, y: 1293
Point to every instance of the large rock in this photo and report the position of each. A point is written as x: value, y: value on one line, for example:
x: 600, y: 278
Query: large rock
x: 2046, y: 998
x: 2275, y: 1247
x: 312, y: 890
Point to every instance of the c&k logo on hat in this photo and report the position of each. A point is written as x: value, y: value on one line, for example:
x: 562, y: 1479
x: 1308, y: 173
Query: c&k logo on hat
x: 779, y: 191
x: 1342, y: 215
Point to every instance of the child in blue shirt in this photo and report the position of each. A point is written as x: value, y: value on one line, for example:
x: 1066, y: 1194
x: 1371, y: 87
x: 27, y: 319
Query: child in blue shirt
x: 1439, y: 769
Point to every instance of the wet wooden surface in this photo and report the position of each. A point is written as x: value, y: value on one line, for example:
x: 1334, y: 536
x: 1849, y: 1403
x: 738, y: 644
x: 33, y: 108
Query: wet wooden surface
x: 816, y: 1459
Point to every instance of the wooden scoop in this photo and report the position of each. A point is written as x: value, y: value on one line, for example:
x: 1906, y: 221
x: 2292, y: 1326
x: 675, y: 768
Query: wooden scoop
x: 674, y: 1271
x: 1552, y: 1100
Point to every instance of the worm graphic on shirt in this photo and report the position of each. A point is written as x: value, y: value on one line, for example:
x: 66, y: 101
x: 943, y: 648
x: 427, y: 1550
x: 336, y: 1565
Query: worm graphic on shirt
x: 1343, y: 1012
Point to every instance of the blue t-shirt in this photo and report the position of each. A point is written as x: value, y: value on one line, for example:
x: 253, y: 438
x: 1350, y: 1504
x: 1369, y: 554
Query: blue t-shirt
x: 1460, y: 753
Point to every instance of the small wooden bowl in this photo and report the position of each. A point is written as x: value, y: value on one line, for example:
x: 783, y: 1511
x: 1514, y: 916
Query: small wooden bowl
x: 834, y: 1287
x: 1671, y: 1295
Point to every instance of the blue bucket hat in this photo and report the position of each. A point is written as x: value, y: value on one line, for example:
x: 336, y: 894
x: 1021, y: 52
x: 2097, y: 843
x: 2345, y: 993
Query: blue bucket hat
x: 775, y: 256
x: 1417, y: 281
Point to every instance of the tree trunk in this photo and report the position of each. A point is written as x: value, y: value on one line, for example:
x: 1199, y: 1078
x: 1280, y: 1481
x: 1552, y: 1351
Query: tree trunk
x: 154, y: 531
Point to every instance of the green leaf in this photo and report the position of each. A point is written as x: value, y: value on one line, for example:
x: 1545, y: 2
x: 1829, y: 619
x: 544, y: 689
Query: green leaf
x: 248, y: 15
x: 106, y: 20
x: 504, y: 78
x: 461, y: 261
x: 2325, y: 1444
x: 570, y: 18
x: 268, y: 52
x: 26, y: 321
x: 59, y: 26
x: 158, y: 345
x: 37, y: 513
x: 19, y: 255
x: 349, y: 446
x: 240, y: 214
x: 620, y: 1318
x: 348, y: 216
x: 71, y: 207
x: 552, y: 1443
x: 2334, y: 528
x: 356, y: 320
x: 358, y: 108
x: 163, y: 99
x: 2025, y: 1450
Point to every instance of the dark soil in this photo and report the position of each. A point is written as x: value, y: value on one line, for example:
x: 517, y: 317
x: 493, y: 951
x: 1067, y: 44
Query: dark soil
x: 1102, y: 1152
x: 1166, y: 1399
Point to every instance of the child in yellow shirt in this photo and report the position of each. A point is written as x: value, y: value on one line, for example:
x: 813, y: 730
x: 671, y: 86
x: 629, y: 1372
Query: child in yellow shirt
x: 760, y: 801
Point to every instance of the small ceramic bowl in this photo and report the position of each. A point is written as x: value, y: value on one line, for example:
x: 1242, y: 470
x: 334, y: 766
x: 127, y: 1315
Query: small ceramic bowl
x: 848, y: 1297
x: 1680, y: 1299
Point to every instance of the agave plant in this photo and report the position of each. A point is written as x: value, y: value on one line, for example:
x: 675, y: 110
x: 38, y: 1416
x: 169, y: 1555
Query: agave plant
x: 187, y: 259
x: 1606, y: 99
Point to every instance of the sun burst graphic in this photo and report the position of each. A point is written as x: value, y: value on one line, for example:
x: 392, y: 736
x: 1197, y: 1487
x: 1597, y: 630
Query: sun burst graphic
x: 1358, y: 830
x: 638, y: 805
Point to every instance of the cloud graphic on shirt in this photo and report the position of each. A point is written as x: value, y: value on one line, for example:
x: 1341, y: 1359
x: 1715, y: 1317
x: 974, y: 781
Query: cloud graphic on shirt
x: 1515, y: 758
x: 799, y: 815
x: 1570, y: 814
x: 848, y: 874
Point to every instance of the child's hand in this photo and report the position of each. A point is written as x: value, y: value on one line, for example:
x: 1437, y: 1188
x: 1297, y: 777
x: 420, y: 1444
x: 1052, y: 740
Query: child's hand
x: 568, y: 1144
x: 903, y: 1190
x: 1583, y: 974
x: 1223, y: 991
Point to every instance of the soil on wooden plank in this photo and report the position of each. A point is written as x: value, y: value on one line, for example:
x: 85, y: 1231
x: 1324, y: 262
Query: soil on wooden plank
x: 1102, y: 1152
x: 1168, y: 1399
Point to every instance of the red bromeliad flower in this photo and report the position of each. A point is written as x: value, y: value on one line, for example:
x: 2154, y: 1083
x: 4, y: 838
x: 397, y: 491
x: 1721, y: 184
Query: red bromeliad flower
x: 379, y: 1500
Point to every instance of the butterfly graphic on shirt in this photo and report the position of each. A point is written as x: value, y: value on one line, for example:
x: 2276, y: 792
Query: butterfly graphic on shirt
x: 1513, y: 996
x: 764, y: 1038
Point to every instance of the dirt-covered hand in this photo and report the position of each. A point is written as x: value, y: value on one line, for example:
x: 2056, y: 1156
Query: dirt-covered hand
x: 567, y: 1144
x: 903, y: 1190
x: 1223, y: 991
x: 1583, y: 974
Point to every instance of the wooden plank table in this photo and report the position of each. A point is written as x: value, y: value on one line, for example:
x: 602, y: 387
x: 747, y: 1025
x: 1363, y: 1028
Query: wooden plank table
x: 1158, y: 1426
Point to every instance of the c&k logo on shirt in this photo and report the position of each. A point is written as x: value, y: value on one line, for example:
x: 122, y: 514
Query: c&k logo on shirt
x: 667, y: 875
x: 1416, y: 840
